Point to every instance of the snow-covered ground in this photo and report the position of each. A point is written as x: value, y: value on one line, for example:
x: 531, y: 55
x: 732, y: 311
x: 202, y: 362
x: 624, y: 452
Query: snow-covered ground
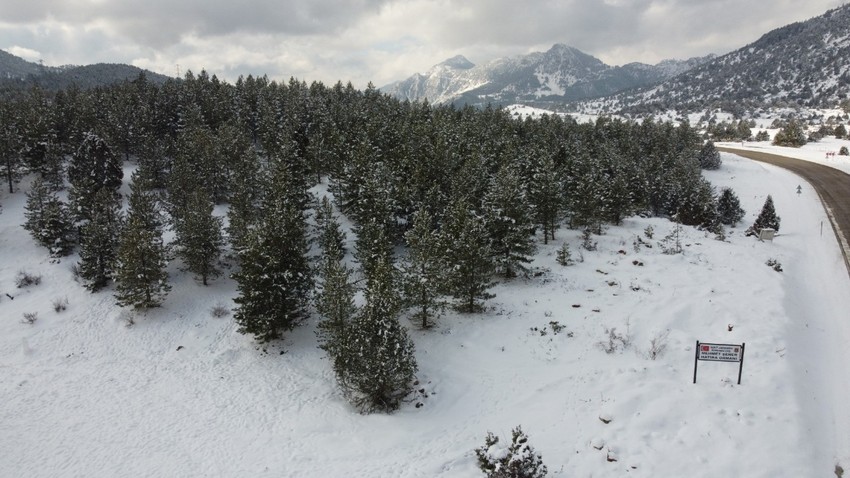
x: 181, y: 393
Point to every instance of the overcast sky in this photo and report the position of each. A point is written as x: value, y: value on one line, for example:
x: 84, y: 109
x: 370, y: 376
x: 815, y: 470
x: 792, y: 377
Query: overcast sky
x: 376, y: 40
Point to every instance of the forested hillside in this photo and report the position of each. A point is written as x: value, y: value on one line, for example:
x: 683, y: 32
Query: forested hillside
x: 465, y: 192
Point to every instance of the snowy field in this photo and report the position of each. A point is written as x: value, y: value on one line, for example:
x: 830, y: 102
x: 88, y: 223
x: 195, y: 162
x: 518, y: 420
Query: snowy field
x: 181, y: 393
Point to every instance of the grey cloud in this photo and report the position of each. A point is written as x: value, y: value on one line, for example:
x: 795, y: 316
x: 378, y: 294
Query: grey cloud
x: 158, y: 23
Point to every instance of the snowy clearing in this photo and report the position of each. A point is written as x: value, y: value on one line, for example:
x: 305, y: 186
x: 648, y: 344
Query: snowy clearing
x: 180, y: 393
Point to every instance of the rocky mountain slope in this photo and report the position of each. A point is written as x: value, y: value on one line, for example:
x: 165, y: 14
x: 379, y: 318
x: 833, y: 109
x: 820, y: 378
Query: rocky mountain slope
x: 561, y: 74
x: 804, y: 64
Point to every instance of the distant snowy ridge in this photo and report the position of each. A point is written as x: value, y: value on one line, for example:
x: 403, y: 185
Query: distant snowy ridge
x: 559, y: 75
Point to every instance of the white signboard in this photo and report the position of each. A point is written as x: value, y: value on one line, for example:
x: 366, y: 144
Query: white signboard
x: 719, y: 352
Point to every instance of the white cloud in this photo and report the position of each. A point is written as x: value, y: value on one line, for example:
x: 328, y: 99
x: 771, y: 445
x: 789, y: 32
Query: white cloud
x: 25, y: 53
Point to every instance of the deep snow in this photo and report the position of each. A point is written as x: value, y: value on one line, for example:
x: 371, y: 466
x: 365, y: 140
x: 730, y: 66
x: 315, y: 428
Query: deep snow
x: 181, y: 393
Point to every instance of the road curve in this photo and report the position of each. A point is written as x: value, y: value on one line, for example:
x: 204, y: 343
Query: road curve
x: 832, y: 185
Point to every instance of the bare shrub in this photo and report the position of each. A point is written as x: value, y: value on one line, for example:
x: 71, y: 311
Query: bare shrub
x: 29, y: 318
x: 657, y: 345
x: 587, y: 242
x: 60, y: 304
x: 26, y: 279
x: 76, y: 271
x: 774, y: 264
x: 219, y: 310
x: 615, y: 342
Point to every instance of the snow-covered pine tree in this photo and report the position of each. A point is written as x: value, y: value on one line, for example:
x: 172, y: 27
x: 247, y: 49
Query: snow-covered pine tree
x: 468, y: 260
x: 198, y: 236
x: 330, y: 236
x: 517, y: 460
x: 790, y: 135
x: 99, y: 241
x: 698, y: 206
x: 378, y: 366
x: 335, y: 303
x: 767, y: 218
x: 141, y: 280
x: 275, y: 279
x: 729, y: 207
x: 10, y: 146
x: 509, y: 223
x: 93, y: 167
x: 709, y: 157
x: 423, y: 269
x: 246, y: 194
x: 373, y: 244
x: 544, y: 193
x: 48, y: 220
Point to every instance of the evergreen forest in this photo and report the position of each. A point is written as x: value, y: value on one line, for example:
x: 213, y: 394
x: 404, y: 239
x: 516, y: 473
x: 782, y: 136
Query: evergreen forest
x: 444, y: 201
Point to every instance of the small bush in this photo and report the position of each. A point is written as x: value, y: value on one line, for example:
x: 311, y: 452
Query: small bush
x: 518, y: 460
x: 615, y: 342
x: 648, y: 232
x: 774, y: 264
x: 76, y: 271
x: 60, y: 304
x: 564, y: 257
x: 657, y: 345
x: 843, y: 151
x: 672, y: 242
x: 26, y: 279
x: 587, y: 242
x: 219, y: 310
x: 29, y: 318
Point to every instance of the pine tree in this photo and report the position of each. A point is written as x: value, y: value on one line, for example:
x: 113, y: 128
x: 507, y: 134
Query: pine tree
x: 468, y: 258
x: 331, y: 237
x: 93, y: 167
x: 423, y: 269
x: 48, y: 220
x: 373, y: 244
x: 790, y: 135
x: 709, y: 157
x: 729, y: 207
x: 767, y: 218
x: 99, y: 241
x: 509, y: 223
x: 246, y: 195
x: 377, y: 366
x: 518, y: 460
x: 141, y: 280
x: 335, y: 303
x: 198, y: 236
x: 545, y: 196
x: 10, y: 146
x: 275, y: 278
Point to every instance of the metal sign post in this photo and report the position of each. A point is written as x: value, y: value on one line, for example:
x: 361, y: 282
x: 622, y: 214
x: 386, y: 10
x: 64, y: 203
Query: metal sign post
x: 719, y: 353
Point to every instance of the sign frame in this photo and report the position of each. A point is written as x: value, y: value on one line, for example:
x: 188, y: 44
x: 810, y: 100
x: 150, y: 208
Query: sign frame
x: 723, y: 355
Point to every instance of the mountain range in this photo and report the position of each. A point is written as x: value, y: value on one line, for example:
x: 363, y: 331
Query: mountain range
x: 561, y: 74
x: 801, y: 64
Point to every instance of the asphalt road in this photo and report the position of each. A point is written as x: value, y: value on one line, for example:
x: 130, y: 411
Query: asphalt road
x: 832, y: 185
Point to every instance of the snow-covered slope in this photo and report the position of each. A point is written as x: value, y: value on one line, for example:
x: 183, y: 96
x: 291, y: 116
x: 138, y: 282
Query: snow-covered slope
x: 801, y: 64
x: 181, y: 393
